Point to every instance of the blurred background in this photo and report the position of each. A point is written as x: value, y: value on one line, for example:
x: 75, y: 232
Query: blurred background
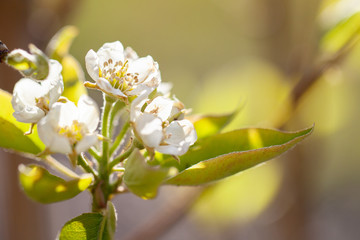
x: 217, y: 54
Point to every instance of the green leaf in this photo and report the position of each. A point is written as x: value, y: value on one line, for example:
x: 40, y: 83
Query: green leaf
x: 60, y: 43
x: 12, y: 132
x: 84, y: 227
x: 226, y: 154
x: 73, y: 75
x: 344, y: 33
x: 43, y: 187
x: 108, y: 225
x: 141, y: 178
x: 207, y: 125
x: 91, y: 226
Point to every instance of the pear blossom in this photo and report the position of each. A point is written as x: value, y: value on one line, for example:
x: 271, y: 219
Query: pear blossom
x: 121, y: 73
x: 70, y: 129
x: 32, y: 100
x: 161, y: 125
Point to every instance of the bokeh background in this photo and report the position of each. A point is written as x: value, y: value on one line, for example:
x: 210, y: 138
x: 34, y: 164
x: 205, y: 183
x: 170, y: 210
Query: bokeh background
x: 218, y: 54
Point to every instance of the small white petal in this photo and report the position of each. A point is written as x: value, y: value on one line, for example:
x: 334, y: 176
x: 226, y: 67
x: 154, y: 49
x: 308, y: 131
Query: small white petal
x: 113, y: 51
x: 149, y: 128
x: 106, y: 87
x: 136, y: 106
x: 60, y: 144
x: 88, y: 112
x: 143, y: 66
x: 24, y: 101
x: 160, y: 107
x: 130, y: 54
x: 189, y: 130
x: 176, y: 150
x: 164, y: 88
x: 175, y: 133
x: 67, y: 113
x: 92, y: 64
x: 86, y: 143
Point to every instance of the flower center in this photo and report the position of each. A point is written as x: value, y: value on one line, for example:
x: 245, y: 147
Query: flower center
x: 74, y: 132
x: 42, y: 103
x: 117, y: 75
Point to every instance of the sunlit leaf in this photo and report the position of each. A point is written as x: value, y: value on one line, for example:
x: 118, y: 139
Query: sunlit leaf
x: 91, y: 226
x: 111, y: 217
x: 84, y: 227
x: 43, y: 187
x: 72, y: 73
x: 226, y: 154
x: 141, y: 178
x: 12, y: 132
x: 73, y: 77
x: 346, y: 32
x: 59, y: 45
x: 207, y: 125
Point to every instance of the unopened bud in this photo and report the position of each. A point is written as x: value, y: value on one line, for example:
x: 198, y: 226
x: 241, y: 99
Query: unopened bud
x: 34, y: 65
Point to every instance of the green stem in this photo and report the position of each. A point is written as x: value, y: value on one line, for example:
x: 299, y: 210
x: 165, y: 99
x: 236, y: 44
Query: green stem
x: 105, y: 132
x: 119, y: 138
x: 115, y: 110
x: 93, y: 152
x: 85, y: 165
x: 59, y: 167
x: 121, y: 158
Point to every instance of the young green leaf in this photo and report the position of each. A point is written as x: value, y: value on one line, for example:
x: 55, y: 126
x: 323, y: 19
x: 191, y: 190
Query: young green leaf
x: 12, y: 132
x: 73, y: 75
x: 207, y: 125
x: 226, y: 154
x: 91, y: 226
x: 43, y: 187
x: 84, y: 227
x: 60, y: 43
x: 141, y: 178
x: 344, y: 33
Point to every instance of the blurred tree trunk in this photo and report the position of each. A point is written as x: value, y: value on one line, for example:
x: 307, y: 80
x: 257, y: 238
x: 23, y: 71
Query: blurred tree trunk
x: 293, y: 50
x: 24, y: 22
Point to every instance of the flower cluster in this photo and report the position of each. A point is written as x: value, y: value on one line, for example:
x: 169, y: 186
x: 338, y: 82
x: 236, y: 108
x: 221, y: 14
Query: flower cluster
x: 156, y: 119
x: 63, y: 127
x: 157, y: 122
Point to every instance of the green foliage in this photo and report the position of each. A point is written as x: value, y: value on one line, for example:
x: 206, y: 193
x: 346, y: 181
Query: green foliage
x: 226, y: 154
x: 91, y: 226
x: 344, y: 33
x: 43, y: 187
x: 12, y: 132
x: 72, y: 72
x: 207, y: 125
x: 141, y: 178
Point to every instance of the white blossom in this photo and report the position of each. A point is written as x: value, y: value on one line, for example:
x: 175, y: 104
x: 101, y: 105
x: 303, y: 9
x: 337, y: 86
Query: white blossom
x: 32, y: 100
x: 70, y: 129
x: 161, y: 125
x: 121, y: 73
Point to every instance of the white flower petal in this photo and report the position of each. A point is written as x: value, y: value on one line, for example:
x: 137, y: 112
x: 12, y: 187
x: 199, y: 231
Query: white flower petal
x: 113, y: 50
x: 189, y: 130
x: 164, y: 88
x: 176, y: 150
x: 107, y: 88
x: 92, y: 64
x: 67, y: 113
x: 174, y: 133
x: 160, y: 107
x: 136, y: 106
x: 130, y: 54
x: 60, y: 144
x: 149, y: 129
x: 86, y: 143
x: 88, y: 112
